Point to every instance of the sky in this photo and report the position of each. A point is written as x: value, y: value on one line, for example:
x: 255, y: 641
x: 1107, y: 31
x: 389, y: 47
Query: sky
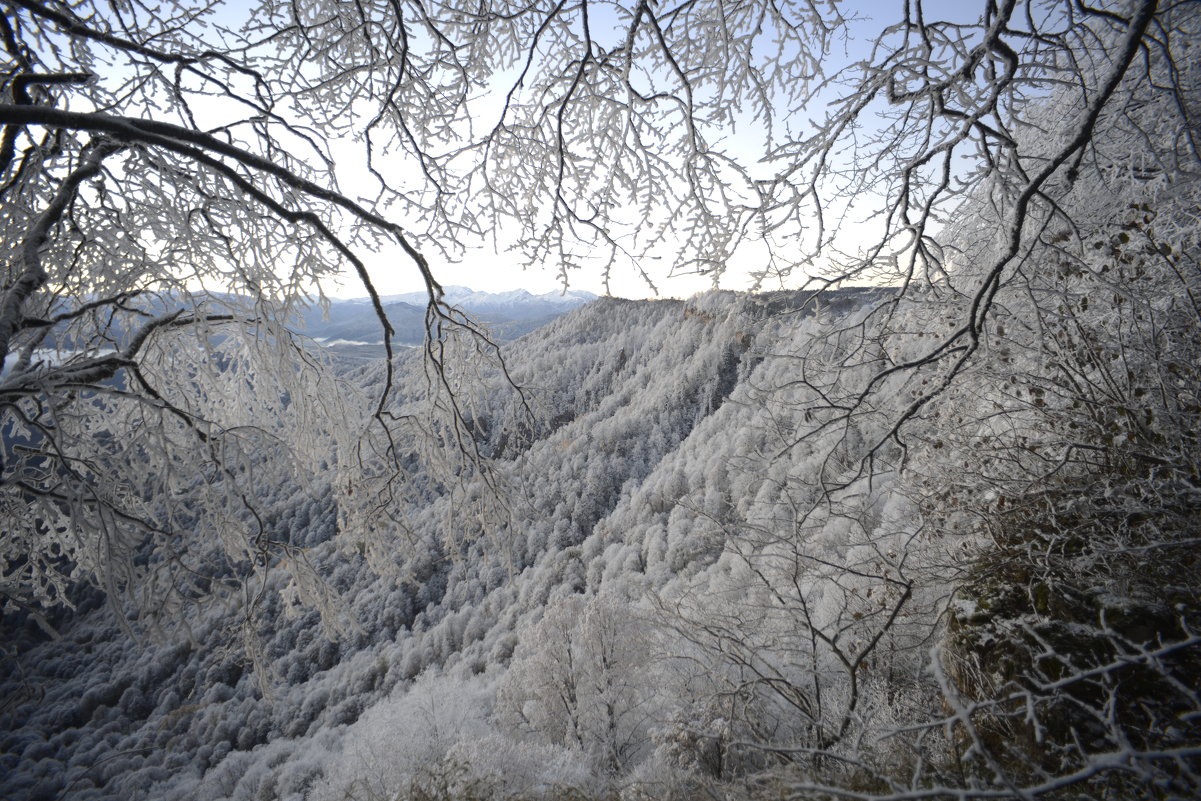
x: 485, y: 269
x: 488, y: 271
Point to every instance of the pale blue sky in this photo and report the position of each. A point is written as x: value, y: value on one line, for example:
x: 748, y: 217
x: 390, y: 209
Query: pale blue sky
x: 485, y: 269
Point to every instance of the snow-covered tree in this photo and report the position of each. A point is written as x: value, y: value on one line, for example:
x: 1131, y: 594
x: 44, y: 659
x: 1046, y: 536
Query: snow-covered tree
x: 582, y: 678
x: 169, y: 203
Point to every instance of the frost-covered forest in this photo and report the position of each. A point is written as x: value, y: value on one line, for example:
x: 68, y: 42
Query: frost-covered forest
x: 678, y: 578
x: 922, y: 526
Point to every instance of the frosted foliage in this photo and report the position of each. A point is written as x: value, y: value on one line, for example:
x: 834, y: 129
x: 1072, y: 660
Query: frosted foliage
x: 929, y: 540
x: 168, y: 214
x: 401, y: 737
x: 435, y: 734
x: 233, y: 423
x: 581, y: 678
x: 176, y: 149
x: 427, y: 612
x: 729, y: 587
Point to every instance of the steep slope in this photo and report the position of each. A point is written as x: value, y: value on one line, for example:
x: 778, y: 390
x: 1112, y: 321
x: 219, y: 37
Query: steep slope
x: 616, y: 386
x: 684, y: 568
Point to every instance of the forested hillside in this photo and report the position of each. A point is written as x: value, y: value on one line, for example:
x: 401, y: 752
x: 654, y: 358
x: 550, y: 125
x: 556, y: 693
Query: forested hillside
x: 678, y: 571
x: 614, y: 387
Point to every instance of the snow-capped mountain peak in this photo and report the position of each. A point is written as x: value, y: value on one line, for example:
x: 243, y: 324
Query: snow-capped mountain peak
x: 519, y: 300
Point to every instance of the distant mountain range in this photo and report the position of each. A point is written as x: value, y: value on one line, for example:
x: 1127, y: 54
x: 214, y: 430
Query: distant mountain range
x: 507, y: 315
x: 518, y: 302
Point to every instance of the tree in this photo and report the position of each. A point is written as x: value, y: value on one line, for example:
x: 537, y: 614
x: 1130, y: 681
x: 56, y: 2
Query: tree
x: 169, y: 203
x: 579, y: 679
x: 133, y: 407
x: 170, y: 193
x: 1045, y: 443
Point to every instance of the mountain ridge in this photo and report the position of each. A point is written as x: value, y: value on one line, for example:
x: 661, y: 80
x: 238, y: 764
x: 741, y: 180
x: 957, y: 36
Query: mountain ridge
x: 673, y: 505
x: 506, y: 315
x: 634, y: 418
